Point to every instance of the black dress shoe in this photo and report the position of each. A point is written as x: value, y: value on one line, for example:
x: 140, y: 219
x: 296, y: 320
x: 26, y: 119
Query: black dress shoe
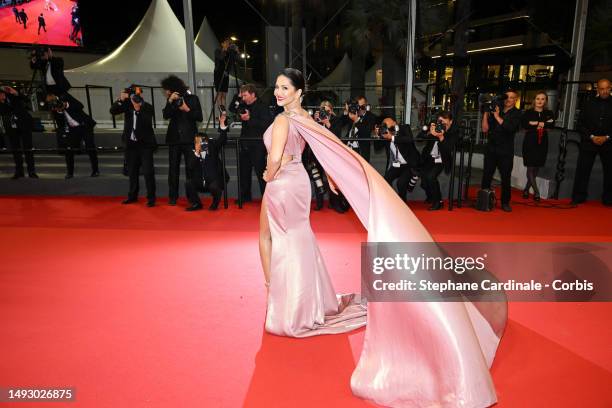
x: 506, y: 207
x: 17, y: 176
x: 33, y: 175
x: 172, y: 201
x: 536, y: 197
x: 525, y: 194
x: 244, y: 200
x: 129, y: 201
x: 194, y: 207
x: 68, y: 176
x: 94, y: 173
x: 151, y: 203
x: 575, y: 203
x: 436, y: 206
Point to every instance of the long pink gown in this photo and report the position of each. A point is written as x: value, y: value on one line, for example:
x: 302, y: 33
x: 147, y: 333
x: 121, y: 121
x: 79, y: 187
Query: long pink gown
x: 414, y: 354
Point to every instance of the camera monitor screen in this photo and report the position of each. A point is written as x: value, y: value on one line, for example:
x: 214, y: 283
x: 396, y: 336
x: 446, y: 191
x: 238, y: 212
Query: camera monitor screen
x: 49, y: 22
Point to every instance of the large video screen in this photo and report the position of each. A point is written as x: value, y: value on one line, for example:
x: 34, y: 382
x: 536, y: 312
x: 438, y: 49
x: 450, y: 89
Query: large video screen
x: 50, y: 22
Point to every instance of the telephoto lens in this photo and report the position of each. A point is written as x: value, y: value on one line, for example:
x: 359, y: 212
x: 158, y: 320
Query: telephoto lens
x: 414, y: 179
x: 315, y: 174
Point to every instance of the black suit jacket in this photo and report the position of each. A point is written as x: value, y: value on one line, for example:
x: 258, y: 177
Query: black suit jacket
x: 212, y: 165
x: 144, y: 122
x: 75, y: 110
x: 445, y: 148
x: 405, y: 144
x: 501, y: 137
x: 260, y: 119
x: 595, y: 119
x: 57, y: 72
x: 183, y: 125
x: 15, y: 105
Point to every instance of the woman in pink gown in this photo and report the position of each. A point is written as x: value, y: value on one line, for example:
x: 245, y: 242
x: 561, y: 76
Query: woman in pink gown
x: 414, y: 354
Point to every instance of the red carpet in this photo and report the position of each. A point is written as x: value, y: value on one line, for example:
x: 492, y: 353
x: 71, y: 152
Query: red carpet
x: 58, y: 24
x: 139, y: 307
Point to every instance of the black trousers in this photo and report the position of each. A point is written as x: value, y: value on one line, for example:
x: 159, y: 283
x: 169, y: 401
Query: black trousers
x: 22, y: 140
x: 138, y: 156
x: 365, y: 149
x: 195, y: 185
x: 43, y: 27
x: 402, y: 174
x: 502, y: 162
x: 430, y: 183
x: 174, y: 170
x: 76, y: 135
x: 252, y: 157
x: 586, y: 159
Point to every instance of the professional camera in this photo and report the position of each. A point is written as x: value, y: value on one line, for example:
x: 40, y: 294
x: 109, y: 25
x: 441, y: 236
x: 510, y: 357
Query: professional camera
x: 489, y: 103
x: 38, y: 53
x: 383, y: 129
x: 414, y: 179
x: 177, y: 103
x: 238, y: 107
x: 315, y: 174
x: 135, y: 94
x: 440, y: 126
x: 353, y: 107
x: 56, y: 103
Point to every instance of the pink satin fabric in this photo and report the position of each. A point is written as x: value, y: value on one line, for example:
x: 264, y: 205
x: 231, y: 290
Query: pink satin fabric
x: 414, y: 354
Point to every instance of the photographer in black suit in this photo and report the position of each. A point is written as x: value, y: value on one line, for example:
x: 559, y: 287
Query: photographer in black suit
x: 256, y: 118
x: 183, y: 109
x: 595, y: 127
x: 366, y: 125
x: 17, y: 123
x: 437, y: 156
x: 501, y: 125
x: 402, y: 154
x: 139, y: 140
x: 52, y: 69
x: 73, y: 126
x: 207, y: 170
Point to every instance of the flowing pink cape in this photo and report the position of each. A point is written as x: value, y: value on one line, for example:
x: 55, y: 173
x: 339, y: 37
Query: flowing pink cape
x: 414, y: 354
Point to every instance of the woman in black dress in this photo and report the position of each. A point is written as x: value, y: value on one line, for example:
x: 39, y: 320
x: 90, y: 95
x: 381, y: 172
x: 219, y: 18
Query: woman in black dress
x: 225, y: 58
x: 536, y: 121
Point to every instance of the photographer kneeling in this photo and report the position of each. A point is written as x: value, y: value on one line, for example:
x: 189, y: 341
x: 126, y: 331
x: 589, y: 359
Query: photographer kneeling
x: 437, y: 155
x: 207, y: 168
x: 139, y: 141
x: 402, y: 154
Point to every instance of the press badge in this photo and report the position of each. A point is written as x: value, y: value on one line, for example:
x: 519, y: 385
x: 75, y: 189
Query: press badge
x: 396, y: 164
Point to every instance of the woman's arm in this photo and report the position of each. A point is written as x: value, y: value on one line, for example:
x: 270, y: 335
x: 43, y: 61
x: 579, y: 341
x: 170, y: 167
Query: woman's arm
x: 280, y: 131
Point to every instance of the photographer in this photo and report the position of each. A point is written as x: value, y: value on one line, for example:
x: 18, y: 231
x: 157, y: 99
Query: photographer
x: 73, y: 126
x: 595, y: 126
x: 402, y: 155
x: 326, y: 116
x: 437, y: 155
x: 17, y: 123
x: 139, y: 140
x: 207, y: 170
x: 184, y: 111
x: 256, y: 118
x: 500, y: 125
x: 225, y: 62
x: 362, y: 123
x: 52, y: 69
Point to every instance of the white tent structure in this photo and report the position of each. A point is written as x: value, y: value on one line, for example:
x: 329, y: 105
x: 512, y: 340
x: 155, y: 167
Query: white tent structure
x: 340, y: 76
x: 154, y: 50
x: 207, y: 40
